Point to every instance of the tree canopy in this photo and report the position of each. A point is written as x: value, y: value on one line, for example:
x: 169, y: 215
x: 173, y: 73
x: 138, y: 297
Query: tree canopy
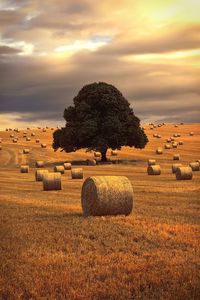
x: 100, y: 118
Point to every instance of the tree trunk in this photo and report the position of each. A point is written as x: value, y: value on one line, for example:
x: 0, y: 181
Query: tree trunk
x: 103, y: 155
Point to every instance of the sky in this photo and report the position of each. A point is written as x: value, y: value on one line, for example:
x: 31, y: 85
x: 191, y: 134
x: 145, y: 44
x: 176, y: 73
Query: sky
x: 50, y: 49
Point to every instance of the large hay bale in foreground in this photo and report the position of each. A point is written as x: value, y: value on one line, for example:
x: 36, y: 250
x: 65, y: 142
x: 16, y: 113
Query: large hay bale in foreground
x: 175, y: 167
x: 77, y: 173
x: 39, y: 174
x: 26, y: 151
x: 151, y: 162
x: 194, y: 166
x: 97, y: 154
x: 39, y: 164
x: 67, y: 166
x: 159, y: 151
x: 176, y: 157
x: 60, y: 169
x: 52, y: 181
x: 107, y: 195
x: 154, y: 170
x: 184, y: 173
x: 114, y: 152
x: 24, y: 169
x: 91, y: 162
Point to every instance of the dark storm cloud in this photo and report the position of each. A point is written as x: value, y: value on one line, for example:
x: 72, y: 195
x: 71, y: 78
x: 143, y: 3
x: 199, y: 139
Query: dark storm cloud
x: 5, y: 50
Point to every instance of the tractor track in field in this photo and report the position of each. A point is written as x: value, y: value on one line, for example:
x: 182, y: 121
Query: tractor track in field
x: 14, y: 158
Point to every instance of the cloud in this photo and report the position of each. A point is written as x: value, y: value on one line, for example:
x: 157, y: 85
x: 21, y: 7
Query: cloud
x: 5, y: 50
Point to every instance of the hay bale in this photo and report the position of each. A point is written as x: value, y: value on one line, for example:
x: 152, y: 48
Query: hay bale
x: 194, y: 166
x: 155, y: 135
x: 67, y: 166
x: 44, y: 130
x: 59, y: 169
x: 0, y: 147
x: 77, y: 173
x: 43, y: 145
x: 28, y: 139
x: 159, y: 136
x: 114, y: 152
x: 175, y: 135
x: 151, y: 162
x: 174, y: 145
x: 168, y: 140
x: 172, y: 138
x: 24, y: 169
x: 178, y: 134
x: 39, y: 174
x: 191, y: 133
x: 175, y: 167
x: 52, y: 181
x: 107, y: 195
x: 33, y: 134
x: 11, y: 135
x: 184, y: 173
x: 26, y: 151
x: 14, y: 140
x: 167, y: 146
x: 97, y: 154
x: 180, y: 143
x: 37, y: 141
x: 39, y: 164
x: 154, y: 170
x: 176, y: 157
x: 91, y: 162
x: 159, y: 151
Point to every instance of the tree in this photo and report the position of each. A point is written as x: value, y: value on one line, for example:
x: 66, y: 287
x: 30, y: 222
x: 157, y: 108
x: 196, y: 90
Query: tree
x: 101, y: 118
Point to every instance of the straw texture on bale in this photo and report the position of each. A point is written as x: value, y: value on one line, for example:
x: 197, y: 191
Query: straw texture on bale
x: 175, y: 167
x: 91, y: 162
x: 184, y: 173
x: 43, y: 145
x: 97, y: 154
x: 24, y: 169
x: 107, y: 195
x: 52, y: 181
x: 159, y: 151
x: 39, y: 164
x: 176, y: 157
x: 194, y: 166
x: 114, y: 152
x: 60, y: 169
x: 39, y: 174
x: 77, y: 173
x: 151, y: 162
x: 167, y: 146
x: 154, y: 170
x: 26, y: 151
x: 67, y: 166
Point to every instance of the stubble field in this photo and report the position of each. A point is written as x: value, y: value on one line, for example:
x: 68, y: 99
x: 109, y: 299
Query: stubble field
x: 48, y: 250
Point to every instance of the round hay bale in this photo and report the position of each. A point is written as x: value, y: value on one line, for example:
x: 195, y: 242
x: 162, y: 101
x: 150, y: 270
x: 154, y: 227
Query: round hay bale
x: 37, y: 140
x: 176, y: 157
x: 77, y: 173
x: 91, y: 162
x: 12, y: 135
x: 180, y: 143
x: 154, y: 170
x: 175, y: 125
x: 175, y: 135
x: 28, y: 139
x: 191, y: 133
x: 39, y: 174
x: 43, y: 145
x: 172, y: 138
x: 24, y: 169
x: 174, y: 145
x: 44, y: 129
x: 67, y: 166
x: 39, y: 164
x: 107, y: 195
x: 26, y: 151
x: 167, y: 146
x: 194, y: 166
x: 151, y: 162
x: 0, y: 147
x: 14, y: 140
x: 59, y: 169
x: 52, y: 181
x: 97, y: 154
x: 159, y: 151
x: 184, y: 173
x: 178, y: 134
x: 114, y: 152
x: 159, y: 136
x: 155, y: 135
x: 175, y: 167
x: 33, y: 134
x: 168, y: 140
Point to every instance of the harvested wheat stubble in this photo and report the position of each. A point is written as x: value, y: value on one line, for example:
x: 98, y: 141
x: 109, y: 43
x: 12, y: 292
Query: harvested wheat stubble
x: 24, y: 169
x: 114, y: 152
x: 97, y: 154
x: 175, y: 167
x: 176, y: 157
x: 191, y: 133
x: 43, y: 145
x: 91, y: 162
x: 184, y: 173
x: 159, y: 151
x: 39, y: 164
x: 107, y: 195
x: 67, y: 166
x: 39, y: 174
x: 77, y: 173
x: 151, y: 162
x: 194, y: 166
x: 167, y: 146
x: 26, y: 151
x: 59, y: 169
x: 37, y: 140
x: 52, y: 181
x: 154, y: 170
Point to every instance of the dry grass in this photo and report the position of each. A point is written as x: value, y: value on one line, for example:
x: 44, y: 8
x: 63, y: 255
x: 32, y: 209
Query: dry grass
x: 50, y: 251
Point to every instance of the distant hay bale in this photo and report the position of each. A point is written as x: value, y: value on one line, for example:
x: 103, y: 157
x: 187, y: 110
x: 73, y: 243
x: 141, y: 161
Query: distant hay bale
x: 168, y: 140
x: 14, y: 140
x: 26, y: 151
x: 97, y: 154
x: 159, y: 151
x: 11, y: 135
x: 0, y: 147
x: 52, y: 128
x: 24, y: 169
x: 159, y: 136
x: 175, y: 135
x: 184, y: 173
x: 37, y: 140
x: 44, y: 130
x: 175, y: 167
x: 52, y: 181
x: 194, y: 166
x: 178, y: 134
x: 28, y: 128
x: 114, y: 152
x: 67, y: 166
x: 39, y: 164
x: 91, y: 162
x: 155, y: 135
x: 43, y: 145
x: 180, y: 143
x: 191, y: 133
x: 172, y: 138
x: 59, y: 169
x: 39, y: 174
x: 176, y: 125
x: 107, y: 195
x: 174, y: 145
x: 28, y: 139
x: 176, y: 157
x: 154, y: 170
x: 77, y: 173
x: 151, y: 162
x: 33, y: 134
x: 167, y: 146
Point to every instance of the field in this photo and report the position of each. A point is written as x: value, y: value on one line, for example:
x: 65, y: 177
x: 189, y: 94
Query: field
x: 48, y: 250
